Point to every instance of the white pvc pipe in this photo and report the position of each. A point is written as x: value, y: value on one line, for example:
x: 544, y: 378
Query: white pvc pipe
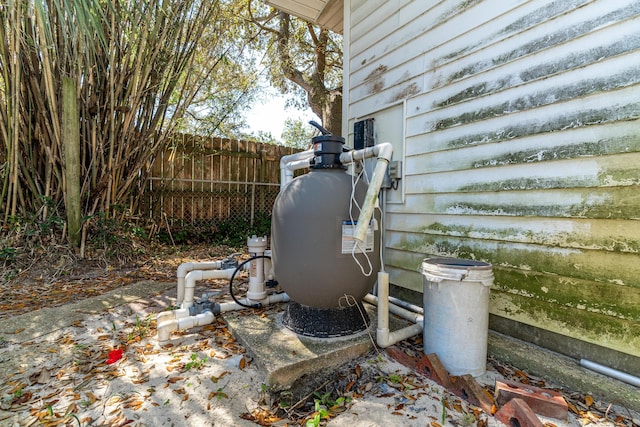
x: 383, y: 152
x: 293, y: 162
x: 384, y: 337
x: 407, y: 305
x: 186, y: 267
x: 167, y: 327
x: 195, y: 275
x: 180, y: 319
x: 613, y: 373
x: 171, y: 315
x: 270, y: 299
x: 409, y: 315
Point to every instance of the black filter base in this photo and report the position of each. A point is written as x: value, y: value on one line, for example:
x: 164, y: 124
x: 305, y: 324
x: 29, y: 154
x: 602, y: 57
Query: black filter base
x: 325, y: 322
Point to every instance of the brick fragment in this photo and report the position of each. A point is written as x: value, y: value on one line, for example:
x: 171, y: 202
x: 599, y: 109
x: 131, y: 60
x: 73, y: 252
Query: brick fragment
x: 542, y: 401
x: 426, y: 364
x: 469, y: 389
x: 517, y: 413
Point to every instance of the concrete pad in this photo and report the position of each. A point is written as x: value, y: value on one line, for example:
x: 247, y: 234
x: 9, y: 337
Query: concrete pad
x: 286, y: 356
x: 29, y: 326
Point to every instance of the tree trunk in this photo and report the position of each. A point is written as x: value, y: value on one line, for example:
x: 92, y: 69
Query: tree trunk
x: 332, y: 113
x: 71, y: 139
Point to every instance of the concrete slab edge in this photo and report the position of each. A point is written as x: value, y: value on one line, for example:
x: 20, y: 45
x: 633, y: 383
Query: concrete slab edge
x: 28, y: 326
x: 562, y: 370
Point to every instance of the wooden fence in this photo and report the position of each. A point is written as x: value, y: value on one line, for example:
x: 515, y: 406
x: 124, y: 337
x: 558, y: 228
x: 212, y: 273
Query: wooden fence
x: 205, y: 181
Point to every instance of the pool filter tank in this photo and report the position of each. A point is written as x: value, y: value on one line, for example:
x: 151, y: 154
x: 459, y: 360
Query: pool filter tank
x: 315, y: 259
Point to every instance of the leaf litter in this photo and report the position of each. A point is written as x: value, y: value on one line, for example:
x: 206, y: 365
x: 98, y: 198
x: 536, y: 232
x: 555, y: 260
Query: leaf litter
x: 66, y: 380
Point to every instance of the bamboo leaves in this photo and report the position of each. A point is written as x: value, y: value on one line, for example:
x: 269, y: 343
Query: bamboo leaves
x: 132, y: 64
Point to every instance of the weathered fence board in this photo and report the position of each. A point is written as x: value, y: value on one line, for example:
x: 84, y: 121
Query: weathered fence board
x: 203, y: 181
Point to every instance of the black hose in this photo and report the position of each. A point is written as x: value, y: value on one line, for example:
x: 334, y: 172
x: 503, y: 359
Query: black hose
x: 257, y: 305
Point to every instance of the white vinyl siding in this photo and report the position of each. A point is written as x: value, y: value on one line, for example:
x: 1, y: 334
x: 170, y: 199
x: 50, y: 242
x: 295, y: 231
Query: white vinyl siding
x: 521, y: 148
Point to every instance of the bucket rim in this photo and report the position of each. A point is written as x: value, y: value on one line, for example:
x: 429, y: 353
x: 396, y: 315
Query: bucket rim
x: 456, y: 263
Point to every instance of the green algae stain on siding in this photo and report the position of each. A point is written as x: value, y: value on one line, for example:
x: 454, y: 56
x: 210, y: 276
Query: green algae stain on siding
x: 596, y: 203
x: 618, y: 334
x: 574, y: 61
x: 591, y: 265
x: 560, y: 122
x: 576, y: 240
x: 617, y: 176
x: 458, y: 8
x: 604, y: 146
x: 595, y: 297
x: 532, y: 183
x: 548, y: 41
x: 550, y: 96
x: 536, y: 17
x: 610, y: 172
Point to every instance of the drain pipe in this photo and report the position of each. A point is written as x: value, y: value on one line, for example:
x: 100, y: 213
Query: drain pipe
x: 291, y: 163
x: 383, y: 152
x: 384, y: 337
x: 610, y: 372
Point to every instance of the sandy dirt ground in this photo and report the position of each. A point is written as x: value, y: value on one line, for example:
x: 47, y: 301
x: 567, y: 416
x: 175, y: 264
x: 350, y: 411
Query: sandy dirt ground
x: 203, y: 377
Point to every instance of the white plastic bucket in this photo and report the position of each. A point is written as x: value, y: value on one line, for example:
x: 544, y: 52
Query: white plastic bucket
x: 456, y: 313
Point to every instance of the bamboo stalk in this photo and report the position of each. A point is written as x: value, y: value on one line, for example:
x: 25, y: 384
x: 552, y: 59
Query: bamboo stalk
x: 71, y: 130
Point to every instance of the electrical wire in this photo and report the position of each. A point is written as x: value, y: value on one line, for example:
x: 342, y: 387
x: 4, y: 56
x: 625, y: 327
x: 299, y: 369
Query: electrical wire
x: 257, y: 305
x: 350, y: 300
x: 356, y: 245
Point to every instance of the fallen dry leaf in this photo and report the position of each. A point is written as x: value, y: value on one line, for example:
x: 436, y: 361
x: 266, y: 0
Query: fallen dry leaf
x: 573, y: 408
x: 588, y: 400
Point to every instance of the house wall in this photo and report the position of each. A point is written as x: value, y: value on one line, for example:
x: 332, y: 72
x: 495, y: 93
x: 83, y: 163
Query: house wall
x: 520, y: 142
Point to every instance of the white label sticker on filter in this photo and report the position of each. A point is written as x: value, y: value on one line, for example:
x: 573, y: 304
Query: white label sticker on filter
x: 349, y: 242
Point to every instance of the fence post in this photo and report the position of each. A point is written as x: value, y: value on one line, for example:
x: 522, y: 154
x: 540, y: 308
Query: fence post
x: 263, y: 173
x: 253, y: 201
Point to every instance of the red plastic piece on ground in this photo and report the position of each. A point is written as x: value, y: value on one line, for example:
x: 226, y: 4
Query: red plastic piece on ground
x: 517, y: 413
x: 114, y: 356
x: 542, y: 401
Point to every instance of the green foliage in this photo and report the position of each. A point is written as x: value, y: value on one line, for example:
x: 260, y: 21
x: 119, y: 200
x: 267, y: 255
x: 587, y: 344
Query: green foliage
x: 141, y: 328
x: 7, y: 254
x: 303, y: 61
x: 231, y: 231
x: 394, y: 378
x: 443, y: 418
x: 196, y: 362
x: 297, y: 133
x: 139, y: 68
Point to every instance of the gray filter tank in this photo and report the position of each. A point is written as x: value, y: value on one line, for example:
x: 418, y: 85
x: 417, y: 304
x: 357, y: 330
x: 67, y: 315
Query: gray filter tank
x: 310, y: 231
